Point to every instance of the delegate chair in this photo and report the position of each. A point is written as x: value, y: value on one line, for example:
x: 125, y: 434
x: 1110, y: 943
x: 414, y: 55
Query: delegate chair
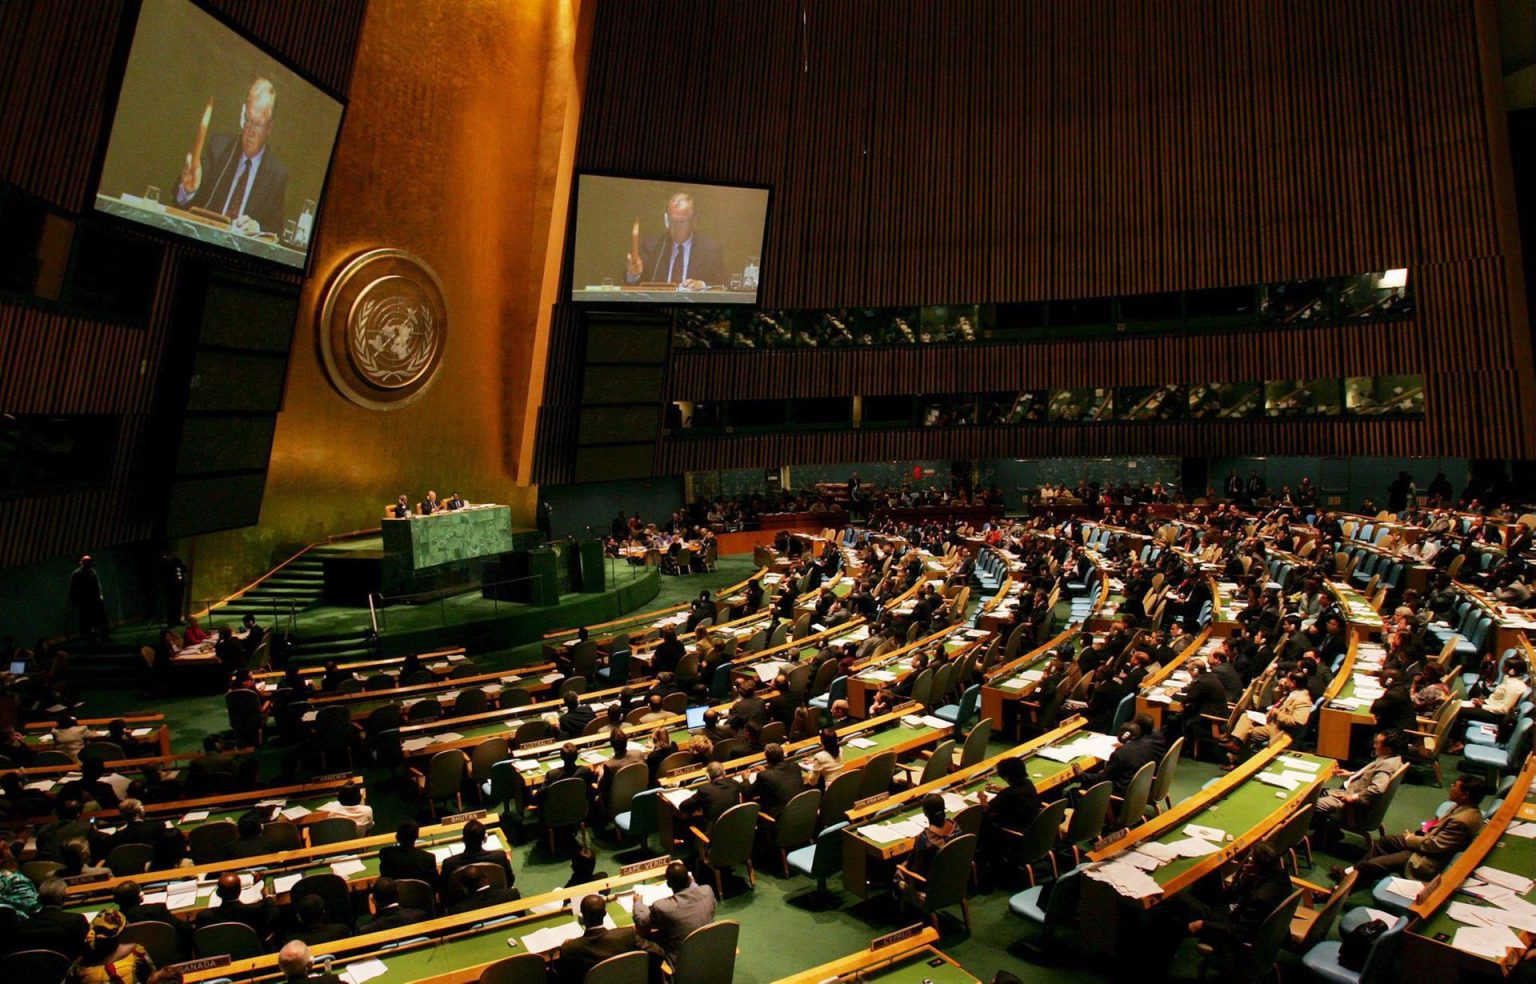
x: 822, y: 859
x: 707, y: 955
x: 626, y: 968
x: 1380, y: 964
x: 565, y: 804
x: 795, y: 826
x: 236, y: 939
x: 1051, y: 912
x: 729, y: 843
x: 523, y: 968
x: 947, y: 882
x: 160, y: 940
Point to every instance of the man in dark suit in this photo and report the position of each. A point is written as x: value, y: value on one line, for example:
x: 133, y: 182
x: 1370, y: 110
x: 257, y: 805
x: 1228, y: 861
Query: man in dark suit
x: 387, y: 913
x: 51, y: 928
x: 129, y: 898
x: 475, y: 852
x: 135, y: 830
x: 478, y: 892
x: 714, y: 797
x: 783, y: 706
x: 668, y: 653
x: 594, y: 945
x: 663, y: 927
x: 404, y: 859
x: 750, y: 708
x: 259, y: 915
x: 51, y: 837
x: 251, y: 842
x: 575, y: 718
x: 1205, y: 694
x: 680, y: 255
x: 313, y: 929
x: 1223, y: 670
x: 236, y: 174
x: 777, y: 784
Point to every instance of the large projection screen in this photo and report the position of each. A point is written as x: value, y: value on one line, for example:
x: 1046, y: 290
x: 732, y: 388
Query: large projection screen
x: 644, y: 240
x: 258, y: 135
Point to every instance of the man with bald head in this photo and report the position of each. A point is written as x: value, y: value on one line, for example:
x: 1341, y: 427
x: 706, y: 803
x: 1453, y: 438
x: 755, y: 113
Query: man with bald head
x: 260, y: 915
x: 237, y: 175
x: 297, y: 965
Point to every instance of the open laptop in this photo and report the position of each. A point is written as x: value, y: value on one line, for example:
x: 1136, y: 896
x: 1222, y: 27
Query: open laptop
x: 696, y: 717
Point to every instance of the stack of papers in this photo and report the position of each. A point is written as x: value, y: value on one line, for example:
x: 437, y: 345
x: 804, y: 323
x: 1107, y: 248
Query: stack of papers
x: 415, y: 744
x: 347, y: 867
x: 181, y: 895
x: 196, y: 816
x: 895, y: 830
x: 1205, y: 833
x: 862, y: 742
x: 1515, y: 883
x: 1125, y: 878
x: 283, y: 884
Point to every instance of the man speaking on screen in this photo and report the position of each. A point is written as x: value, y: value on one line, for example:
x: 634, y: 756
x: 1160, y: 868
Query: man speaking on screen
x: 680, y: 255
x: 237, y: 175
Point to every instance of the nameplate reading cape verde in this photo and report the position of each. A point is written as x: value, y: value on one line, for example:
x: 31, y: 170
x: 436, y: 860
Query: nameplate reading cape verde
x: 638, y: 866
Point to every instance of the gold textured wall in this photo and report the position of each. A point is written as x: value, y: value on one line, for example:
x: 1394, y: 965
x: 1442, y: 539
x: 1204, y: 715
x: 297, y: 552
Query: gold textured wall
x: 457, y: 147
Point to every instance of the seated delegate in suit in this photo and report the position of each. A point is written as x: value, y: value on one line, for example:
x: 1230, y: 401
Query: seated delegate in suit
x: 475, y: 852
x: 575, y: 717
x: 259, y: 915
x: 478, y: 892
x: 129, y: 899
x: 569, y: 768
x: 429, y: 505
x: 1014, y: 807
x: 400, y: 510
x: 713, y: 798
x: 312, y: 928
x: 595, y: 944
x: 1233, y: 920
x: 680, y: 255
x: 237, y: 174
x: 251, y: 842
x: 1422, y: 855
x: 1361, y: 788
x: 403, y: 859
x: 778, y: 783
x: 50, y: 927
x: 384, y: 899
x: 662, y: 927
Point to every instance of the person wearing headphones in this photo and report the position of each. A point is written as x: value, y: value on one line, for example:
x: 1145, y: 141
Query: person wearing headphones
x: 235, y: 174
x: 680, y: 255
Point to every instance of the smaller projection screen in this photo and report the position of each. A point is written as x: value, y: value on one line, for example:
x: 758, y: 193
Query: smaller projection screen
x: 216, y: 140
x: 667, y: 242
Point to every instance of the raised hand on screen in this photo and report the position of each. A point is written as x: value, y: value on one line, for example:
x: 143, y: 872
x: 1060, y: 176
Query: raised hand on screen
x: 192, y: 171
x: 636, y: 265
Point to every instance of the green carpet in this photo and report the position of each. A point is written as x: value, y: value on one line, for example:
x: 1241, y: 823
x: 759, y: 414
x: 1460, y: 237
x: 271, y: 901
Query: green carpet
x: 785, y: 928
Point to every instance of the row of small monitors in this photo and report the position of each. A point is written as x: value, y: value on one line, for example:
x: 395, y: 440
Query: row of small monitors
x: 1383, y: 295
x: 1353, y: 396
x: 1364, y: 396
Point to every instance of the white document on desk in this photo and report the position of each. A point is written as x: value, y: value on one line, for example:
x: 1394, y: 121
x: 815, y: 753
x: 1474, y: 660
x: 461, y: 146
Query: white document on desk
x: 283, y: 884
x: 361, y: 971
x: 1511, y: 881
x: 347, y: 867
x: 862, y: 742
x: 550, y: 937
x: 1126, y: 879
x: 677, y: 797
x: 1486, y: 942
x: 1403, y: 887
x: 1205, y: 833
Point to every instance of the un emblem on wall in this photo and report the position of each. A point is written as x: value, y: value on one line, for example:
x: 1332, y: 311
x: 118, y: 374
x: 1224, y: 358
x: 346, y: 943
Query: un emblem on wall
x: 383, y: 329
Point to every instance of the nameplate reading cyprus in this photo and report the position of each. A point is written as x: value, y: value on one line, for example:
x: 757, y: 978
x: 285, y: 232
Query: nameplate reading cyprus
x: 881, y: 942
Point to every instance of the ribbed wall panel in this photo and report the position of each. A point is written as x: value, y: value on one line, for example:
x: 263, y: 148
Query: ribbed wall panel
x: 993, y: 151
x: 55, y: 97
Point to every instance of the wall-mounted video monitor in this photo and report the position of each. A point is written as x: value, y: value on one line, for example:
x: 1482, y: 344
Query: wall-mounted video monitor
x: 646, y: 241
x: 216, y: 140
